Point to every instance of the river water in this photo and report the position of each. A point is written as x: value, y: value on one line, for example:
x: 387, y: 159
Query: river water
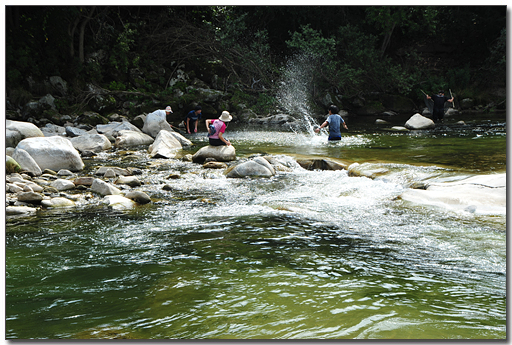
x: 302, y: 255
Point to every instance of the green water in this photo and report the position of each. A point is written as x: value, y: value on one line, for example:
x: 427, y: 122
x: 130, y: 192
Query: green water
x: 303, y: 255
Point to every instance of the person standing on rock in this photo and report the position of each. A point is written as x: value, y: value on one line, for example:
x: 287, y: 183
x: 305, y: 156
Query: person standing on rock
x: 439, y: 101
x: 334, y: 122
x: 216, y: 129
x: 192, y: 119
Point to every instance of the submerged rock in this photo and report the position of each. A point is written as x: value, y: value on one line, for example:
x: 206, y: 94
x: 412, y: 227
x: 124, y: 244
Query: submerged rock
x: 257, y: 167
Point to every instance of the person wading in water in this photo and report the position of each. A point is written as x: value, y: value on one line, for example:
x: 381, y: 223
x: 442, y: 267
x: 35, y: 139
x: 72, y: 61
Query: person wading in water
x: 334, y: 122
x: 439, y: 100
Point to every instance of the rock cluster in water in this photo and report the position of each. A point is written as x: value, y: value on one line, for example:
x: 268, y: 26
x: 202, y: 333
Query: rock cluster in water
x: 44, y: 167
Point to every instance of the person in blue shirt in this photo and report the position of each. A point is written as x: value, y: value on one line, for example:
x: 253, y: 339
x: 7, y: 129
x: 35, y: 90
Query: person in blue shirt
x: 192, y: 119
x: 439, y: 101
x: 334, y: 121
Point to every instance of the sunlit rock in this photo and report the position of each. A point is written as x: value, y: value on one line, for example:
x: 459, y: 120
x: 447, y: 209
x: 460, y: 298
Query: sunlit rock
x: 164, y: 146
x: 418, y: 121
x: 366, y: 170
x: 131, y: 181
x: 118, y: 202
x: 219, y: 153
x: 19, y: 210
x: 91, y: 142
x: 62, y: 184
x: 58, y: 202
x: 484, y: 194
x: 19, y: 130
x: 128, y: 138
x: 104, y: 188
x: 52, y: 153
x: 257, y: 167
x: 139, y: 197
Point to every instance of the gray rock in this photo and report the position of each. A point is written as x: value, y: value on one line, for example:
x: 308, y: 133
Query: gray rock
x: 252, y: 168
x: 104, y: 188
x: 30, y: 197
x: 139, y: 197
x: 91, y: 142
x: 132, y: 138
x: 62, y: 184
x: 219, y: 153
x: 131, y: 181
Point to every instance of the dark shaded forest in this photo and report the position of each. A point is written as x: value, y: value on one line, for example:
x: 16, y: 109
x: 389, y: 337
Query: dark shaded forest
x: 135, y: 51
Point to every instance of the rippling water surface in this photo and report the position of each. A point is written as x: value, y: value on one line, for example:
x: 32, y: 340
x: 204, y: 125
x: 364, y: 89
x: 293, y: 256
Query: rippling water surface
x: 302, y: 255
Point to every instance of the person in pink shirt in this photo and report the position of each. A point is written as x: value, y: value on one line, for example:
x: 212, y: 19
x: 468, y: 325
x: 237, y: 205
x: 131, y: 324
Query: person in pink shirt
x: 216, y: 129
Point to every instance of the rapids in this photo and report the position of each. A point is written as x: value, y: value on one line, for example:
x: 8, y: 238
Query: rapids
x: 302, y: 255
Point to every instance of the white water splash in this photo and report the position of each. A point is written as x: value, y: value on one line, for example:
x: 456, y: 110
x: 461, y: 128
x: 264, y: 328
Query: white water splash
x: 296, y: 89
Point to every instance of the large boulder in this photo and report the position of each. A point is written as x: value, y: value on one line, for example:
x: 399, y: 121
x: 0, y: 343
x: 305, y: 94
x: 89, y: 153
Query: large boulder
x: 219, y: 153
x: 164, y: 146
x: 483, y: 194
x: 19, y: 130
x: 183, y: 141
x: 127, y: 138
x: 52, y: 153
x: 154, y: 123
x: 418, y: 121
x: 26, y: 161
x: 91, y: 142
x: 257, y: 167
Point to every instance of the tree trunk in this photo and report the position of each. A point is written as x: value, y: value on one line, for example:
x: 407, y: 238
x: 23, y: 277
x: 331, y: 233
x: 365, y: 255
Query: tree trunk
x: 387, y: 40
x: 82, y: 35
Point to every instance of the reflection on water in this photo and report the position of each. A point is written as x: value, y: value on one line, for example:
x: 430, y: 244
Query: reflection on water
x: 303, y: 255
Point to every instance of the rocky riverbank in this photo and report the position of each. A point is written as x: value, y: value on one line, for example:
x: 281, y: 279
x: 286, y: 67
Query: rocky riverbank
x: 45, y: 168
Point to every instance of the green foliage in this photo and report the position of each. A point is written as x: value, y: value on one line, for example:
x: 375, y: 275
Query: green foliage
x: 459, y: 77
x: 117, y: 85
x: 119, y: 54
x: 265, y: 104
x: 311, y: 42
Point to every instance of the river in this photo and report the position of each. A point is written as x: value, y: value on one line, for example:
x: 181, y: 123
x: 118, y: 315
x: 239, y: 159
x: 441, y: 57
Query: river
x: 301, y: 255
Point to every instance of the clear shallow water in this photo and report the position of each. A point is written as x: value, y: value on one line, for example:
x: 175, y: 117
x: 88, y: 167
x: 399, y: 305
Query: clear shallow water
x: 303, y: 255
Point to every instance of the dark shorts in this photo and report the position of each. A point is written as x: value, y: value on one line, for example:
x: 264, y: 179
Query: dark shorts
x: 216, y: 142
x: 438, y: 114
x: 334, y: 138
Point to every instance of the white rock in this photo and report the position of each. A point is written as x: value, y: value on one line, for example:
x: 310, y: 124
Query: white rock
x: 484, y: 194
x: 26, y: 161
x: 418, y: 121
x: 53, y: 153
x: 62, y: 184
x: 165, y: 146
x: 119, y: 202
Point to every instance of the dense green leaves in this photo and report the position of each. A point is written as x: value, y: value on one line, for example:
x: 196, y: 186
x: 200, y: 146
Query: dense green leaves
x: 352, y: 49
